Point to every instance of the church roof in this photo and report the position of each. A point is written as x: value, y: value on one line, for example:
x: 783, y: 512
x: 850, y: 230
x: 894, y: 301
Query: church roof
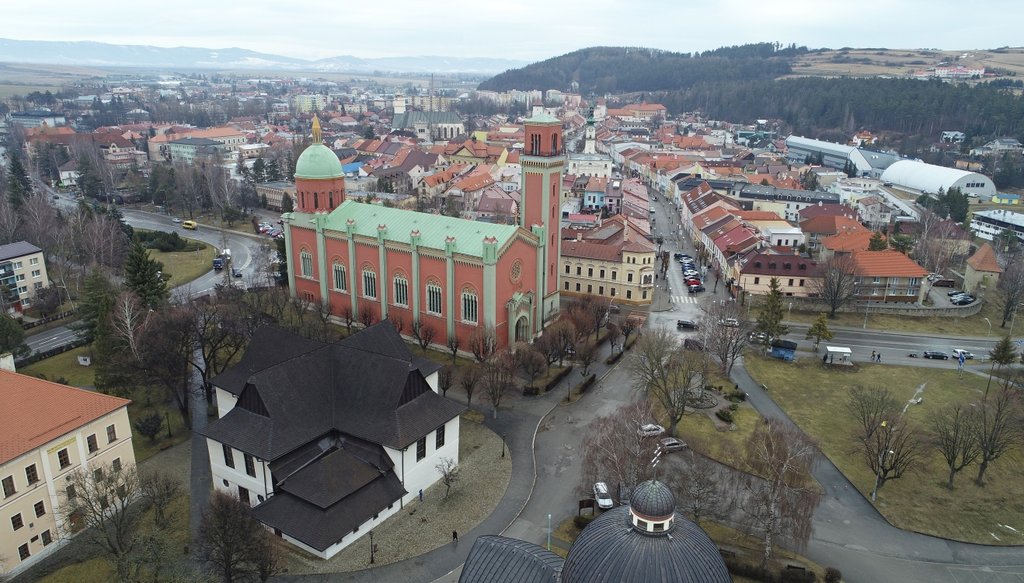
x: 434, y: 230
x: 318, y: 162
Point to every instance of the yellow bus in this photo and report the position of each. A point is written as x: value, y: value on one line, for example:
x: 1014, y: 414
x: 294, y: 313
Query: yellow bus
x: 190, y: 225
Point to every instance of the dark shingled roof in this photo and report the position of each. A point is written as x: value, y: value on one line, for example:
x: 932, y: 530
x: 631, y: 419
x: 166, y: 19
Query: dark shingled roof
x: 366, y: 386
x: 610, y: 551
x: 270, y: 346
x: 321, y: 528
x: 498, y: 559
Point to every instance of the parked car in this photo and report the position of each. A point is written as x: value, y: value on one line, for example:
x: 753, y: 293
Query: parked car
x: 604, y: 499
x: 692, y: 281
x: 695, y: 288
x: 687, y: 325
x: 678, y: 256
x: 936, y: 354
x: 758, y: 337
x: 650, y: 430
x: 967, y: 354
x: 236, y: 272
x: 963, y: 301
x: 955, y: 292
x: 730, y: 322
x: 670, y: 444
x: 176, y: 221
x: 943, y: 283
x: 691, y: 273
x: 614, y: 308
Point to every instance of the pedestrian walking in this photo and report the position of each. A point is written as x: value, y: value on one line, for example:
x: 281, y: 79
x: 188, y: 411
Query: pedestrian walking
x: 455, y: 536
x: 878, y: 358
x: 872, y: 356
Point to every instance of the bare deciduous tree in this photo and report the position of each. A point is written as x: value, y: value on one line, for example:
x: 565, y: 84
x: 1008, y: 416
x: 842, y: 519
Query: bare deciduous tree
x: 159, y: 489
x: 498, y: 373
x: 100, y: 503
x: 453, y: 345
x: 469, y: 379
x: 954, y: 435
x: 628, y: 326
x: 834, y: 284
x: 445, y: 378
x: 781, y: 493
x: 348, y: 316
x: 724, y: 332
x: 1011, y: 283
x: 668, y: 375
x: 613, y: 449
x: 890, y: 445
x: 231, y: 540
x: 531, y: 362
x: 449, y: 472
x: 704, y: 489
x: 998, y: 427
x: 129, y: 319
x: 483, y: 342
x: 424, y: 334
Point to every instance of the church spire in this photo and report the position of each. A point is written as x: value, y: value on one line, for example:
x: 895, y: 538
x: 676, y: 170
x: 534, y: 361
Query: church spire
x: 317, y: 137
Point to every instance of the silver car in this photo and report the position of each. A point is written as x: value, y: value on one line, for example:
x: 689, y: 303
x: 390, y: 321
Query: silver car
x: 604, y: 499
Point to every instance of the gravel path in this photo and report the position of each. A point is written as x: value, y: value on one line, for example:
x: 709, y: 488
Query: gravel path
x: 422, y: 527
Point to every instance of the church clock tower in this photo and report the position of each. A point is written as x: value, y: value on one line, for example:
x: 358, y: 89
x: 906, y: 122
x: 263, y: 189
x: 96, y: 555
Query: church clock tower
x: 543, y: 161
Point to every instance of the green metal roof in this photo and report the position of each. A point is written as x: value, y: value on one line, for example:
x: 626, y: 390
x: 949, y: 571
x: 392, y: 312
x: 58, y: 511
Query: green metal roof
x: 434, y: 229
x: 543, y: 117
x: 318, y: 161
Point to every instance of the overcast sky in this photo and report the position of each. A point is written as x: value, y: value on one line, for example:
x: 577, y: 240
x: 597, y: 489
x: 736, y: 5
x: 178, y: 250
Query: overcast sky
x: 516, y: 29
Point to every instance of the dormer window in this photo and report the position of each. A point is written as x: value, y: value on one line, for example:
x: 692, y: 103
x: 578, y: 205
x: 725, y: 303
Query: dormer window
x: 787, y: 265
x: 771, y: 265
x: 803, y: 266
x: 757, y: 264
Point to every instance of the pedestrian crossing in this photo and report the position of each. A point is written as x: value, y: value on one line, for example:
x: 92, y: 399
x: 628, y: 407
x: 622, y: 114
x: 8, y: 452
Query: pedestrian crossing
x: 684, y: 299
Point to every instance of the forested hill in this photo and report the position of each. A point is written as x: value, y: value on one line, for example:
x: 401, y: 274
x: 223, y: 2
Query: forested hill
x: 627, y: 69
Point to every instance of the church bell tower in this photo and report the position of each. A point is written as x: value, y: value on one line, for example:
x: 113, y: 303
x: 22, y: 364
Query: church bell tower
x: 543, y: 162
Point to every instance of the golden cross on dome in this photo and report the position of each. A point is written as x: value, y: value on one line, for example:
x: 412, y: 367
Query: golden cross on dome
x: 317, y: 138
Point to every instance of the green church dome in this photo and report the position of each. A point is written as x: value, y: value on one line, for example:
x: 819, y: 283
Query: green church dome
x: 318, y: 162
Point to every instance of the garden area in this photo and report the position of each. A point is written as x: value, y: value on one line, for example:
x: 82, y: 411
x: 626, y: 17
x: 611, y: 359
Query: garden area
x: 816, y: 399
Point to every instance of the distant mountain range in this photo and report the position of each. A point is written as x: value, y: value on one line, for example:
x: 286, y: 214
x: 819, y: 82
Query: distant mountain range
x: 96, y: 54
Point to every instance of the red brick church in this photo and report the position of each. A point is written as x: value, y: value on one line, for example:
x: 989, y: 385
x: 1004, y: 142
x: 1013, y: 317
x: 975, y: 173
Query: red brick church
x: 452, y: 274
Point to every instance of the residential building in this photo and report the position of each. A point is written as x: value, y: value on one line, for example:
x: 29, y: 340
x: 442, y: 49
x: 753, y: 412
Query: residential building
x: 309, y: 102
x: 786, y: 202
x: 274, y: 193
x: 1005, y: 198
x: 48, y: 431
x: 430, y: 126
x: 875, y: 212
x: 35, y: 118
x: 613, y: 260
x: 888, y: 276
x: 229, y: 138
x: 797, y: 275
x: 820, y: 226
x: 982, y: 270
x: 327, y: 440
x: 22, y: 274
x: 186, y: 150
x: 452, y: 274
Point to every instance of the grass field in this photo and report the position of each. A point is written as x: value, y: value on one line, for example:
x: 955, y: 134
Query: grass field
x: 815, y: 398
x: 726, y: 446
x: 65, y: 365
x: 184, y: 266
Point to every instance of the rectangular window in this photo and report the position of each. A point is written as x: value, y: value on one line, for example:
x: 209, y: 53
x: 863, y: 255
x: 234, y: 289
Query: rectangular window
x: 33, y: 261
x: 63, y: 459
x: 70, y: 493
x: 229, y: 458
x: 40, y: 508
x: 757, y: 280
x: 369, y: 284
x: 8, y: 483
x: 469, y: 305
x: 629, y: 294
x: 614, y: 275
x: 91, y: 443
x: 791, y: 282
x: 116, y: 464
x: 47, y: 537
x: 613, y: 292
x: 577, y: 287
x: 306, y: 264
x: 31, y: 475
x: 340, y: 281
x: 439, y: 438
x: 567, y: 270
x: 23, y: 552
x: 111, y: 434
x: 590, y: 272
x: 401, y: 291
x: 590, y: 288
x: 566, y: 286
x: 801, y: 283
x: 97, y: 474
x: 629, y: 277
x: 434, y: 299
x: 602, y: 274
x: 243, y: 495
x: 35, y: 273
x: 421, y: 448
x: 17, y: 522
x: 250, y: 465
x: 579, y: 270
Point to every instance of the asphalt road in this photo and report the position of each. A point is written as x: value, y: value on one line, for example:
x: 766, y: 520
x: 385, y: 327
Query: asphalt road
x: 244, y: 251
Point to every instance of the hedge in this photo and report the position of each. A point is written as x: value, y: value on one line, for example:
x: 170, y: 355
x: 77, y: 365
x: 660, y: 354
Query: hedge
x: 531, y: 391
x: 585, y: 384
x: 615, y: 357
x: 558, y: 378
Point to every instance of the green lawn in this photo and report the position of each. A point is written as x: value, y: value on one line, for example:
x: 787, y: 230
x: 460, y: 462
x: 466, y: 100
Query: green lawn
x: 946, y: 326
x: 727, y: 446
x: 64, y: 365
x: 185, y: 266
x: 815, y: 398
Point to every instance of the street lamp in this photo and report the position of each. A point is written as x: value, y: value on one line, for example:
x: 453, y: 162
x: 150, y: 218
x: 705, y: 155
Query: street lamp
x: 989, y: 322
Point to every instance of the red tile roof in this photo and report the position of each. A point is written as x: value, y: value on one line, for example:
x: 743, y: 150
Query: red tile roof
x: 888, y: 263
x: 848, y: 241
x: 35, y: 412
x: 984, y: 259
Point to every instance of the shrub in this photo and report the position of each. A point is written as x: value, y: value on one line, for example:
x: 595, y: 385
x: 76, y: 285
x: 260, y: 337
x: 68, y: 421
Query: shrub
x: 797, y: 575
x: 166, y: 242
x: 585, y: 384
x: 615, y: 357
x: 531, y: 391
x: 631, y: 342
x: 734, y: 407
x: 736, y: 396
x: 150, y: 425
x: 748, y: 570
x: 724, y: 415
x: 557, y: 378
x: 581, y: 522
x: 832, y: 575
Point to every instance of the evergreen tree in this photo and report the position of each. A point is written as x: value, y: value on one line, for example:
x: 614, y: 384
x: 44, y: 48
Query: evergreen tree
x: 819, y: 330
x: 769, y: 320
x: 287, y: 204
x: 259, y: 171
x: 19, y: 185
x: 1003, y: 353
x: 273, y: 171
x: 877, y: 242
x: 143, y: 275
x: 12, y: 337
x: 94, y: 309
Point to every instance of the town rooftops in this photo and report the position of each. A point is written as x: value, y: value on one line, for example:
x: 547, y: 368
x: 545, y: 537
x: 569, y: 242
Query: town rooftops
x: 19, y: 249
x: 984, y: 259
x: 434, y: 230
x: 780, y: 265
x: 887, y: 263
x: 196, y: 142
x: 35, y: 412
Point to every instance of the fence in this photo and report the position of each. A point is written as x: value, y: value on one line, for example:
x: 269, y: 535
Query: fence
x: 46, y: 320
x: 898, y: 309
x: 37, y: 356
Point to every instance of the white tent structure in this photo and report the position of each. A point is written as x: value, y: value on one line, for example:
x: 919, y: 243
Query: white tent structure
x: 929, y: 179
